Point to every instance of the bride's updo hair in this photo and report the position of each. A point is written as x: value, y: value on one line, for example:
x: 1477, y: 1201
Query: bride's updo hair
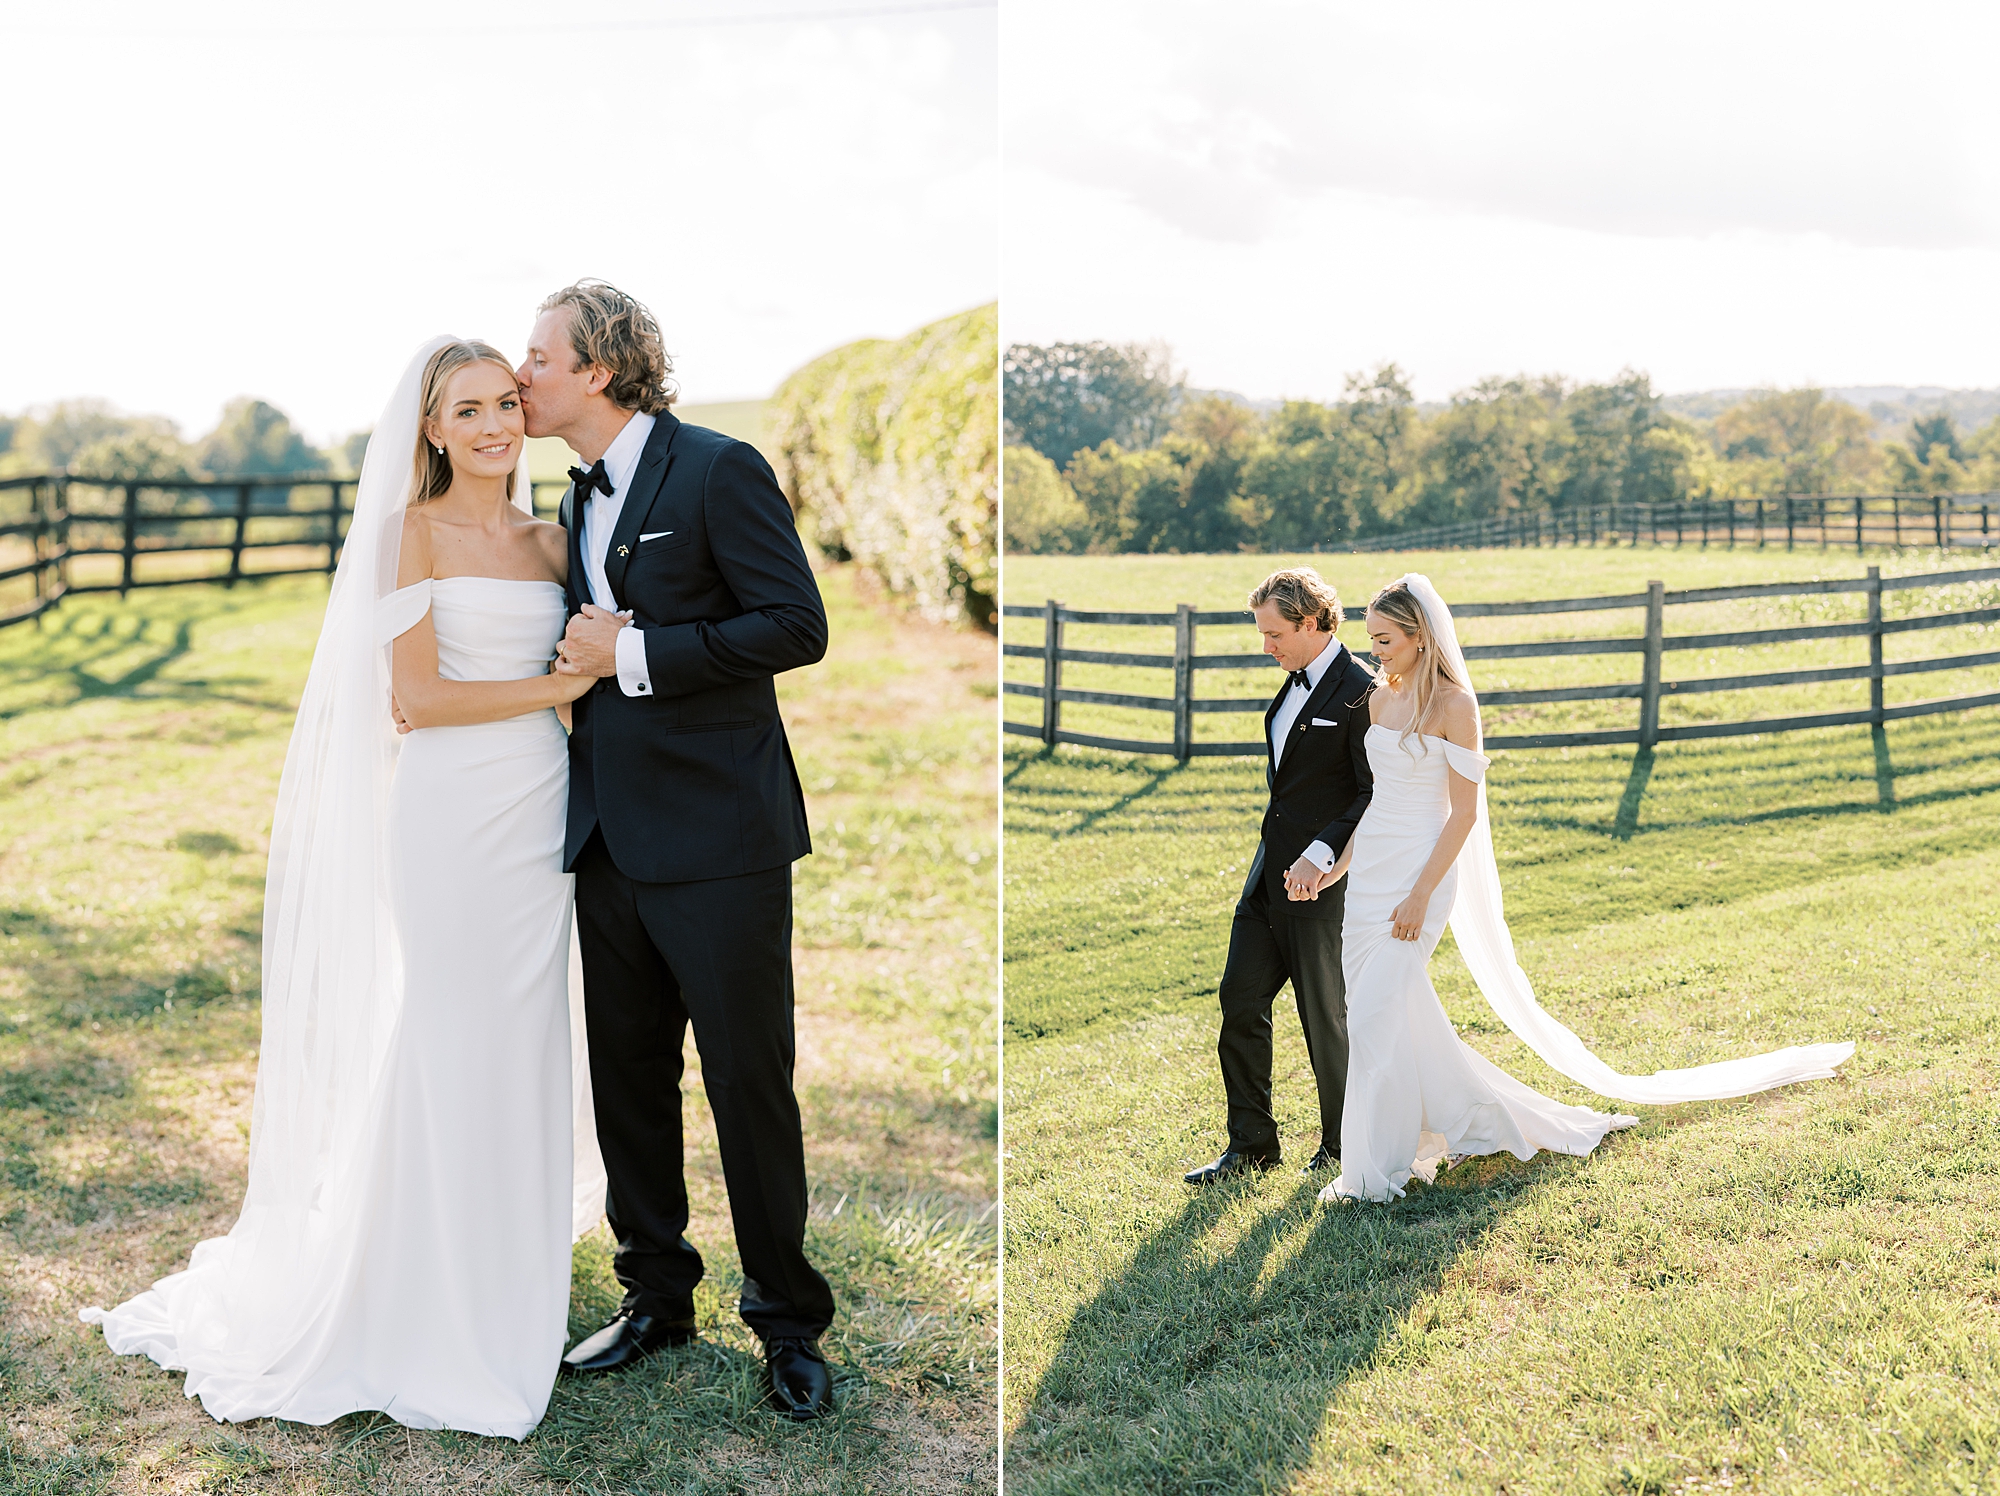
x: 1399, y: 605
x: 433, y: 468
x: 1300, y: 593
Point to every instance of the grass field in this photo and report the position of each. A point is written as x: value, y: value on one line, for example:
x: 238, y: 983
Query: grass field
x: 140, y: 746
x: 1793, y: 1292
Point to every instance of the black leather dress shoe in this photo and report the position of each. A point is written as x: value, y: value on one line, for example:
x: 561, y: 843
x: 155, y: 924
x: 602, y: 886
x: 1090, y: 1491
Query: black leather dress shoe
x: 1322, y: 1160
x: 1230, y: 1165
x: 801, y: 1387
x: 628, y: 1338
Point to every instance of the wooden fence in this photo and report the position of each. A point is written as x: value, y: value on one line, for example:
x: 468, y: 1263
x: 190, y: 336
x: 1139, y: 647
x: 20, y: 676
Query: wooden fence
x: 49, y: 521
x: 1652, y: 647
x: 1823, y: 520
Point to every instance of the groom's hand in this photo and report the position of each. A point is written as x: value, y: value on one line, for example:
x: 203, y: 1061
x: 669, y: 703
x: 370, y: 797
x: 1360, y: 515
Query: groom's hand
x: 1302, y: 880
x: 590, y: 646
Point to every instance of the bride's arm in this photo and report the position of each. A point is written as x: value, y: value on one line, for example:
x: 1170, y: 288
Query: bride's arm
x: 426, y: 699
x: 1461, y: 726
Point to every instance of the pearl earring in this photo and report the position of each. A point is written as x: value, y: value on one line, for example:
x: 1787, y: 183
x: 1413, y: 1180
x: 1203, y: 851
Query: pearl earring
x: 440, y: 449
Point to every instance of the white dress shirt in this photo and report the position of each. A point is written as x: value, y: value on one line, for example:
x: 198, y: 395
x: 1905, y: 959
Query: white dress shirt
x: 600, y: 519
x: 1287, y: 717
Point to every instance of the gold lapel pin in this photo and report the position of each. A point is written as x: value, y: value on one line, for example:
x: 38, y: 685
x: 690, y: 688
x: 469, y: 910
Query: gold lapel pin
x: 624, y: 550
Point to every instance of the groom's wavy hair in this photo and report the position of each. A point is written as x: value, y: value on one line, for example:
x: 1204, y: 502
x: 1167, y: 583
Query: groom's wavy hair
x: 1401, y: 607
x: 433, y: 468
x: 1301, y: 593
x: 610, y: 330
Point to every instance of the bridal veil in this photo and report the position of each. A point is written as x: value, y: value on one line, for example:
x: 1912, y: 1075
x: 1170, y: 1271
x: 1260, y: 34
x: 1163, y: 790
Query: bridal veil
x: 1479, y: 924
x: 252, y: 1303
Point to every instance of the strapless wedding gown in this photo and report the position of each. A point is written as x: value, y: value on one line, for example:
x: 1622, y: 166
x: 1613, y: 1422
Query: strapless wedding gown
x: 1417, y: 1094
x: 452, y: 1290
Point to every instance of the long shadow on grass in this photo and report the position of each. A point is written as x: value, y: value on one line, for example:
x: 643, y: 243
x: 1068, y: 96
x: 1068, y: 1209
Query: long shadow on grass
x: 74, y: 649
x: 1204, y: 1369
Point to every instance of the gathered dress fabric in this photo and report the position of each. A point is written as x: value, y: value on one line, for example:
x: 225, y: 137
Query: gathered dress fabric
x: 441, y: 1297
x: 1417, y: 1094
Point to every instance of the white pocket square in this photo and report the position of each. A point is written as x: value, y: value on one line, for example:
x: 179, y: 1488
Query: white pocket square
x: 1324, y: 722
x: 655, y: 535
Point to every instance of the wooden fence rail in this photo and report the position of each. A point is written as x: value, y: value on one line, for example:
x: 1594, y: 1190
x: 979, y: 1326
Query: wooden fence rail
x: 1653, y: 647
x: 1942, y: 521
x: 53, y: 519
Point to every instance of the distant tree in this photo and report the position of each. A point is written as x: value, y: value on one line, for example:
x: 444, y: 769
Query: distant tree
x: 137, y: 453
x: 1798, y: 441
x: 1936, y: 430
x: 1043, y: 514
x: 351, y: 451
x: 1066, y: 398
x: 254, y: 437
x: 8, y: 425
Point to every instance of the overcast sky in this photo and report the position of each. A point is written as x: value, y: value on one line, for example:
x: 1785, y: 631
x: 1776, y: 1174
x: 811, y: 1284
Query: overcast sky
x: 1718, y: 194
x: 212, y: 199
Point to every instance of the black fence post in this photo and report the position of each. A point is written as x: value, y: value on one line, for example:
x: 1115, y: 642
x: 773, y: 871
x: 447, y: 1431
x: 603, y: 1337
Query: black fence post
x: 1937, y: 519
x: 333, y: 528
x: 1788, y: 521
x: 1649, y: 684
x: 242, y: 524
x: 1183, y: 681
x: 131, y: 546
x: 1875, y: 645
x: 1051, y: 670
x: 1857, y: 525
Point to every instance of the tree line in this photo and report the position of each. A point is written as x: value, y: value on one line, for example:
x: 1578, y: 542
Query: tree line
x: 92, y: 438
x: 1108, y: 450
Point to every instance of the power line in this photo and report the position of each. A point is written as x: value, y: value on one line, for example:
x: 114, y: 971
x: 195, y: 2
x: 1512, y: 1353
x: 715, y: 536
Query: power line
x: 637, y: 23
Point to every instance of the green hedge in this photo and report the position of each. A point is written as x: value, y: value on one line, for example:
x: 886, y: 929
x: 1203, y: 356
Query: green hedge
x: 890, y: 453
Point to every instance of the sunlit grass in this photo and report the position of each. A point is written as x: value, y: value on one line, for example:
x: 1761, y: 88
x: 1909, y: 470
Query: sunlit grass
x: 1792, y: 1292
x: 140, y: 745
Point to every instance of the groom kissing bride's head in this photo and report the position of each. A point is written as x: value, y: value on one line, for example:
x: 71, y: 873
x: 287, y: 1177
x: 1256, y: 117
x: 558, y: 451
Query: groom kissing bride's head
x: 594, y: 357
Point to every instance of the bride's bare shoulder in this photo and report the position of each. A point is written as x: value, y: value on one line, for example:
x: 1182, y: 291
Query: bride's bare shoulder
x: 413, y: 562
x: 1458, y: 714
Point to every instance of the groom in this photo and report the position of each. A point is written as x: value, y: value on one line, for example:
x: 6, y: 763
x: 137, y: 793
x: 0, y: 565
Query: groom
x: 1320, y: 783
x: 688, y: 592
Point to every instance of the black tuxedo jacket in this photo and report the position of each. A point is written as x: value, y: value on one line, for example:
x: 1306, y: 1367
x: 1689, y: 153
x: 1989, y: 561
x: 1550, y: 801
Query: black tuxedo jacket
x: 696, y: 780
x: 1321, y: 786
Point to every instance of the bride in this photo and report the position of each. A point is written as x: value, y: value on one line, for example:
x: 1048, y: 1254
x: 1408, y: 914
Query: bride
x: 415, y: 1178
x: 1417, y: 1094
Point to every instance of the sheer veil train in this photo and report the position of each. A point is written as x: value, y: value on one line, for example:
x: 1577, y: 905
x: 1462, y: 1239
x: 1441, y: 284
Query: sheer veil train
x: 252, y: 1303
x: 1479, y: 924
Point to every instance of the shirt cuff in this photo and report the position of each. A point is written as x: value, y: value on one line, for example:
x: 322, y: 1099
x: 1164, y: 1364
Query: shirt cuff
x: 1320, y: 856
x: 634, y: 679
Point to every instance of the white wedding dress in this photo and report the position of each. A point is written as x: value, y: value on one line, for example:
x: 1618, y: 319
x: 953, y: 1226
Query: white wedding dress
x: 455, y: 1296
x: 1416, y: 1092
x: 422, y: 1152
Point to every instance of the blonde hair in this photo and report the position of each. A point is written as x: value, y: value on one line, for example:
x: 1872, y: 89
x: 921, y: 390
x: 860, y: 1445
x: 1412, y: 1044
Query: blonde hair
x: 1399, y: 605
x: 1300, y: 593
x: 610, y: 330
x: 432, y: 475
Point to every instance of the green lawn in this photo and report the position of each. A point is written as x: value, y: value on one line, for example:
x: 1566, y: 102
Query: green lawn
x: 1793, y: 1292
x: 140, y: 745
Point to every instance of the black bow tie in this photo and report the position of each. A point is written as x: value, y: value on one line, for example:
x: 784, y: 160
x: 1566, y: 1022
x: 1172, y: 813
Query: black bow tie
x: 1300, y: 678
x: 591, y: 480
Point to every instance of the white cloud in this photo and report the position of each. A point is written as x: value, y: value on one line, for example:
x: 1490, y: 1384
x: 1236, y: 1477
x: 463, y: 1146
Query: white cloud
x: 1716, y: 193
x: 231, y: 203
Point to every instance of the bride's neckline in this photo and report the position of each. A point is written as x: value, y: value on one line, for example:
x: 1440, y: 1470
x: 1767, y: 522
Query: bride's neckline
x: 1434, y: 737
x: 470, y: 577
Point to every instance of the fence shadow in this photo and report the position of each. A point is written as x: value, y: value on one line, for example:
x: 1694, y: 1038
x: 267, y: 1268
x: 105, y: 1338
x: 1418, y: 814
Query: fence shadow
x: 1885, y: 771
x: 1210, y: 1365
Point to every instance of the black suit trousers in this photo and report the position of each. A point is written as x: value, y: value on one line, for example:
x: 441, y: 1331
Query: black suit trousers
x: 1269, y: 945
x: 716, y: 953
